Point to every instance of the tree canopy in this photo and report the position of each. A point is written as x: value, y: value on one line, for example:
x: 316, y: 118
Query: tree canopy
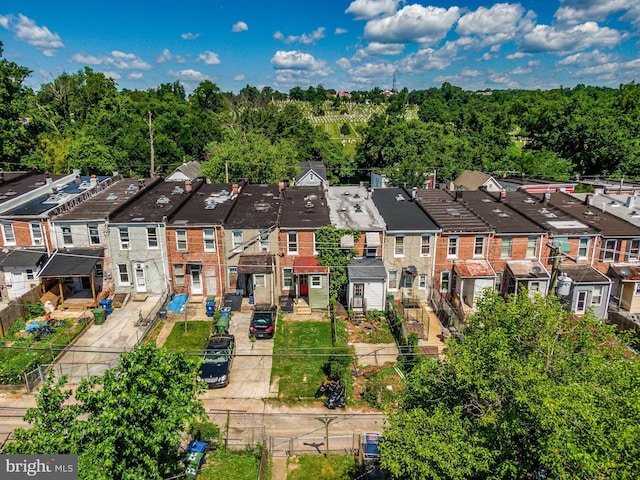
x: 530, y: 391
x: 125, y: 424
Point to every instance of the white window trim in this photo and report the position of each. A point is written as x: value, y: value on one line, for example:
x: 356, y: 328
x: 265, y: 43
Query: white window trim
x: 4, y: 234
x: 637, y: 290
x: 126, y: 269
x: 586, y: 255
x: 315, y: 277
x: 259, y: 280
x: 503, y: 244
x: 475, y: 240
x: 422, y: 278
x: 97, y: 227
x: 235, y: 246
x: 297, y: 244
x: 284, y: 286
x: 35, y: 226
x: 64, y: 237
x: 264, y: 245
x: 209, y: 238
x: 397, y: 281
x: 157, y: 239
x: 612, y: 252
x: 535, y: 247
x: 425, y: 240
x: 124, y: 245
x: 178, y: 240
x: 446, y: 273
x: 457, y: 242
x: 395, y: 246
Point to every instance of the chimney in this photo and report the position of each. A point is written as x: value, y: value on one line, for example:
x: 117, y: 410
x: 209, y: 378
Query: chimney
x: 141, y: 183
x: 49, y: 180
x: 503, y: 195
x: 94, y: 180
x: 588, y: 199
x: 187, y: 186
x: 280, y: 186
x: 414, y: 193
x: 234, y: 188
x: 630, y: 201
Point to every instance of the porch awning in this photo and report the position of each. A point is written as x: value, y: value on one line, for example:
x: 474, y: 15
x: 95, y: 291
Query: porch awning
x: 527, y: 269
x: 474, y: 269
x: 22, y: 258
x: 261, y: 263
x: 626, y: 273
x: 303, y: 265
x: 372, y: 239
x: 73, y: 262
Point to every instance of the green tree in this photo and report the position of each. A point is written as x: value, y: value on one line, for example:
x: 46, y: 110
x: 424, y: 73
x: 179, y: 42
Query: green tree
x: 332, y: 255
x: 123, y: 425
x: 530, y: 392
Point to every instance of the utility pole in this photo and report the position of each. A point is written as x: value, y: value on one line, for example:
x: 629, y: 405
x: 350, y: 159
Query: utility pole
x: 554, y: 268
x: 326, y: 420
x: 153, y: 154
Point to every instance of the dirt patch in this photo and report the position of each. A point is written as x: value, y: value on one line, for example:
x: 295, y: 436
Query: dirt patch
x: 368, y: 331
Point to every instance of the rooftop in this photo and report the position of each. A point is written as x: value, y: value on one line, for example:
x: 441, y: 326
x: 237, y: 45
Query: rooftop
x: 304, y: 208
x: 210, y: 205
x: 452, y: 216
x: 583, y: 273
x: 257, y: 206
x: 400, y: 212
x: 154, y: 203
x: 626, y: 207
x: 352, y: 207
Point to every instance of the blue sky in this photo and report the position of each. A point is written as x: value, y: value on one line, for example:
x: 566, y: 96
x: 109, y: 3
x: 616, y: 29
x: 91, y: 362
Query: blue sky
x: 345, y: 45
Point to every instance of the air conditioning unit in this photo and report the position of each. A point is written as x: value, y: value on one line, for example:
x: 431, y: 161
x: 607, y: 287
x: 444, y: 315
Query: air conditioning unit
x: 138, y: 266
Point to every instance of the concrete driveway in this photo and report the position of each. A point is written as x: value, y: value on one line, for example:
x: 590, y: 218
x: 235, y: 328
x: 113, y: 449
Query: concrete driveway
x: 251, y: 370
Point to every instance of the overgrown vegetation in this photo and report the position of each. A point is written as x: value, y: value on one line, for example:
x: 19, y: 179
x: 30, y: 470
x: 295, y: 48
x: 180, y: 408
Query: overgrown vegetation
x: 317, y: 467
x: 330, y: 254
x: 232, y: 465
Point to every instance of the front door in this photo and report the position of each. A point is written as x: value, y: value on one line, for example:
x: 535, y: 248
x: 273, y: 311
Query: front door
x: 196, y: 280
x: 141, y: 279
x: 581, y: 302
x: 358, y: 295
x: 19, y: 285
x: 304, y: 285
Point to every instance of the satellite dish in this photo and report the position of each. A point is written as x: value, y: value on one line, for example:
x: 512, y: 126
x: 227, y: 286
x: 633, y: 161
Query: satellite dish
x: 625, y: 271
x: 536, y: 270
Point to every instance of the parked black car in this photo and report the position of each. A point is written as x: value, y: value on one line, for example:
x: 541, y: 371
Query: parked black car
x: 216, y: 364
x: 263, y: 321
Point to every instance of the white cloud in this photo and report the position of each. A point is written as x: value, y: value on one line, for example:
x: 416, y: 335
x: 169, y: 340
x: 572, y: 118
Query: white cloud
x: 39, y: 37
x: 165, y: 56
x: 596, y: 57
x: 111, y: 74
x: 376, y: 48
x: 340, y: 31
x: 427, y: 59
x: 190, y: 36
x: 239, y: 27
x: 545, y: 38
x: 296, y: 60
x: 135, y: 76
x: 239, y: 78
x: 521, y: 71
x: 573, y: 12
x: 414, y: 23
x: 209, y: 58
x: 4, y: 21
x: 123, y: 55
x: 343, y: 63
x: 379, y: 72
x: 304, y: 39
x: 188, y: 75
x: 87, y: 59
x: 367, y: 9
x: 117, y: 59
x: 517, y: 55
x: 500, y: 18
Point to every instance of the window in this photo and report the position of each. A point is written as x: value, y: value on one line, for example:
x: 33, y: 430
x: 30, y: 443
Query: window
x: 596, y: 296
x: 152, y: 237
x: 534, y: 287
x: 124, y: 238
x: 209, y: 238
x: 478, y: 247
x: 425, y: 246
x: 178, y: 274
x: 407, y: 281
x: 259, y: 280
x: 452, y: 250
x: 532, y: 247
x: 263, y: 241
x: 581, y: 302
x: 236, y: 241
x: 505, y: 249
x: 36, y: 234
x: 422, y: 282
x: 7, y: 232
x: 123, y: 274
x: 393, y: 279
x: 634, y: 250
x: 292, y: 243
x: 99, y: 271
x: 94, y: 234
x: 316, y: 281
x: 315, y: 245
x: 445, y: 281
x: 583, y: 248
x: 398, y: 249
x: 609, y: 249
x: 498, y: 284
x: 181, y: 240
x: 67, y: 238
x: 30, y: 275
x: 287, y: 278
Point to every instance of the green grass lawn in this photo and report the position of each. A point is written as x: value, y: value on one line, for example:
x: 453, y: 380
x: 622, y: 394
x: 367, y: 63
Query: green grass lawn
x: 14, y: 361
x: 231, y: 465
x: 317, y: 467
x: 193, y: 340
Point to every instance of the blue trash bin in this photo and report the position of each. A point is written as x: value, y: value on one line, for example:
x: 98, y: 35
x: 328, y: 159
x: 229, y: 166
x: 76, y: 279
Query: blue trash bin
x: 225, y: 312
x: 107, y: 304
x: 210, y: 305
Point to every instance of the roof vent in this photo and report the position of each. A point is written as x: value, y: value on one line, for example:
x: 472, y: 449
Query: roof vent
x: 309, y: 205
x: 132, y: 187
x: 486, y: 200
x: 399, y: 198
x: 112, y: 196
x: 529, y: 200
x: 210, y: 204
x: 177, y: 190
x: 261, y: 206
x: 346, y: 194
x: 162, y: 200
x: 358, y: 208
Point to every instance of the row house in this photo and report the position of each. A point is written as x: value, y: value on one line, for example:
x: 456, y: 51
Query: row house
x: 352, y: 208
x: 25, y: 211
x: 409, y: 245
x: 515, y: 246
x: 251, y: 243
x: 137, y: 240
x: 569, y: 253
x: 195, y: 245
x: 461, y: 270
x: 303, y: 282
x: 80, y: 237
